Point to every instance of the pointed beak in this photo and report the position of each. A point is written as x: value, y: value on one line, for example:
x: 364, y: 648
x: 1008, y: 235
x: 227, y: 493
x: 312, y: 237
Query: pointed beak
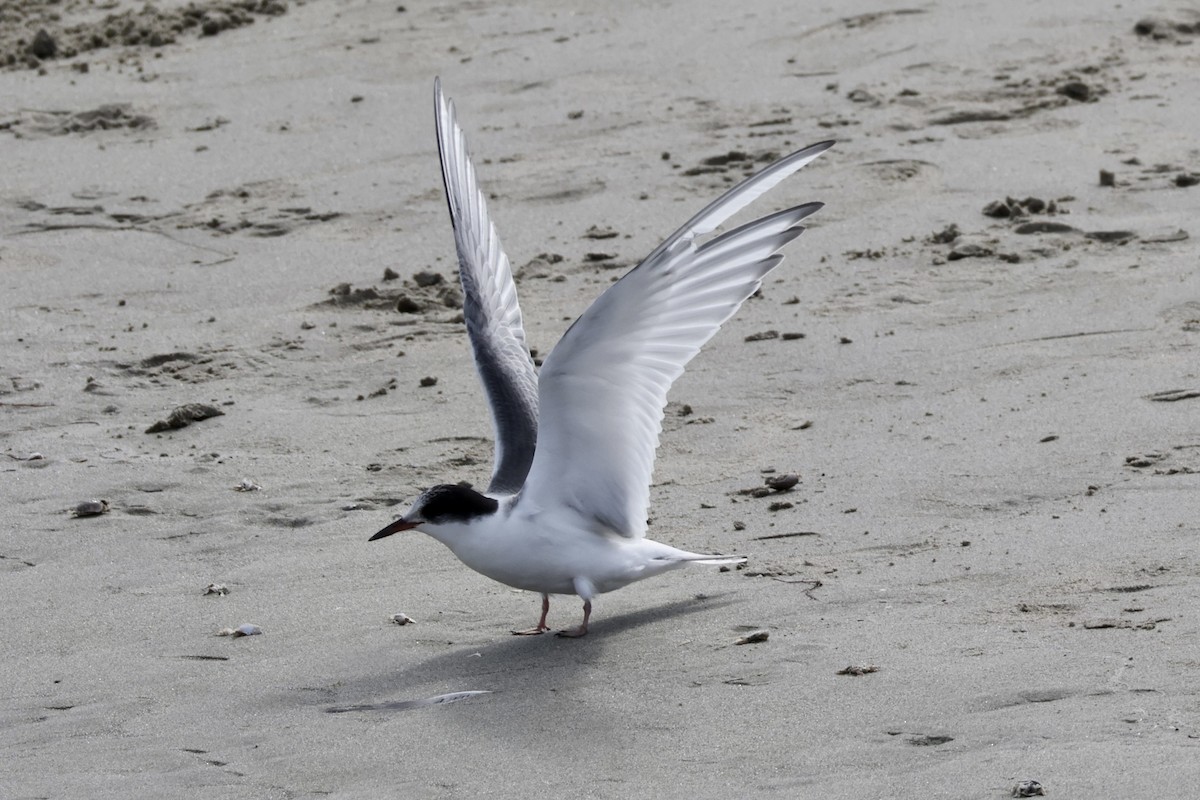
x: 399, y: 525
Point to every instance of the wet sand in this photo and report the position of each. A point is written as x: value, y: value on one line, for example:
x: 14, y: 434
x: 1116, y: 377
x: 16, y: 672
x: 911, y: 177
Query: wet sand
x: 982, y: 361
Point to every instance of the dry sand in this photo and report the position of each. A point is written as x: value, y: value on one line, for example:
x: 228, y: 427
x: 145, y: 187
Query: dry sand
x: 1002, y: 505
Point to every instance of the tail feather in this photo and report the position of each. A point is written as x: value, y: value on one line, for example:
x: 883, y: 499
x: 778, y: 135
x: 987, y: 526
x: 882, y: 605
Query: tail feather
x: 702, y: 559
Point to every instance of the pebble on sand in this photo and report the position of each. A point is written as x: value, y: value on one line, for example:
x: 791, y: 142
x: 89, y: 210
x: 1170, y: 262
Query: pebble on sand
x: 91, y: 508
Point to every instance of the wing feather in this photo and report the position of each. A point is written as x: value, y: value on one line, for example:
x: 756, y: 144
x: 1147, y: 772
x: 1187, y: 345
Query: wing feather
x: 604, y: 386
x: 490, y: 308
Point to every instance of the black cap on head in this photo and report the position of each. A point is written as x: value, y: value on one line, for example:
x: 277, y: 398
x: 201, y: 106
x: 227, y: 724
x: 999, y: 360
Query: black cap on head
x: 454, y: 501
x: 447, y: 502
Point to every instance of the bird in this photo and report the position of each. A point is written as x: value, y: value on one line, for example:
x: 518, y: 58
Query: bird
x: 565, y: 511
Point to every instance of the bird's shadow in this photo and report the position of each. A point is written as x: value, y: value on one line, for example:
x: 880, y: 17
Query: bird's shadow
x: 512, y: 664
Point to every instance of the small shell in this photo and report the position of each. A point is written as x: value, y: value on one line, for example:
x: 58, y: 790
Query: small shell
x: 402, y: 619
x: 781, y: 483
x: 216, y: 588
x: 245, y: 629
x: 1028, y: 789
x: 755, y: 637
x: 91, y: 508
x: 247, y: 485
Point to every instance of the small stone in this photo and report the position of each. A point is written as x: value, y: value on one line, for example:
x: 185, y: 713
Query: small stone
x: 390, y: 274
x: 428, y: 381
x: 218, y: 589
x: 1029, y: 228
x: 213, y: 23
x: 853, y: 669
x: 781, y: 483
x: 968, y: 250
x: 948, y: 234
x: 1076, y: 90
x: 426, y: 278
x: 43, y: 46
x: 406, y: 305
x: 91, y: 508
x: 754, y: 638
x: 402, y: 619
x: 185, y: 415
x: 1028, y: 789
x: 596, y: 232
x: 247, y: 485
x: 1107, y: 178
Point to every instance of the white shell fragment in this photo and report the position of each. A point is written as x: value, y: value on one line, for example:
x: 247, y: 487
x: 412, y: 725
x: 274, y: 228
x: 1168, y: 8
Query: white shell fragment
x: 34, y: 456
x: 217, y: 589
x: 247, y: 485
x: 91, y: 508
x: 402, y: 619
x: 754, y: 638
x: 245, y: 629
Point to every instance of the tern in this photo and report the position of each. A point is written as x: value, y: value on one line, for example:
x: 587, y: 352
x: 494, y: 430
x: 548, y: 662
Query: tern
x: 565, y: 511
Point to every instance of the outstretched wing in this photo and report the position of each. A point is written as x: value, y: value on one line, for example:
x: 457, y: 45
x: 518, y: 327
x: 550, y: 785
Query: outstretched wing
x: 604, y: 386
x: 490, y: 308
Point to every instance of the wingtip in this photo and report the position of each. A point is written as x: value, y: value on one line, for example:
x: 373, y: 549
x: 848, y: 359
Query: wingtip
x: 439, y: 99
x: 813, y: 150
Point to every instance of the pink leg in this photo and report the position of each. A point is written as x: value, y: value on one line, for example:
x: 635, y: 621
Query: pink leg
x: 582, y: 629
x: 541, y: 627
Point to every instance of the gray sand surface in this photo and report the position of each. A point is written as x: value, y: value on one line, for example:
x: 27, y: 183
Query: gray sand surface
x: 996, y: 424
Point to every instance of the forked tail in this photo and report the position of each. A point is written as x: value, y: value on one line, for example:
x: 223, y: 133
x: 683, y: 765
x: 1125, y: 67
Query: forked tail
x: 696, y: 558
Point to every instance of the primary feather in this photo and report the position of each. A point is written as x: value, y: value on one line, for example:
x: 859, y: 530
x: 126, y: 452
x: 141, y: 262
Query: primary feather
x: 490, y: 308
x: 603, y: 388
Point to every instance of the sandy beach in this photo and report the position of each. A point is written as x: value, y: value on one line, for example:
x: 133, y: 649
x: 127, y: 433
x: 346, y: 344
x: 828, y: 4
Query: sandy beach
x: 982, y: 360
